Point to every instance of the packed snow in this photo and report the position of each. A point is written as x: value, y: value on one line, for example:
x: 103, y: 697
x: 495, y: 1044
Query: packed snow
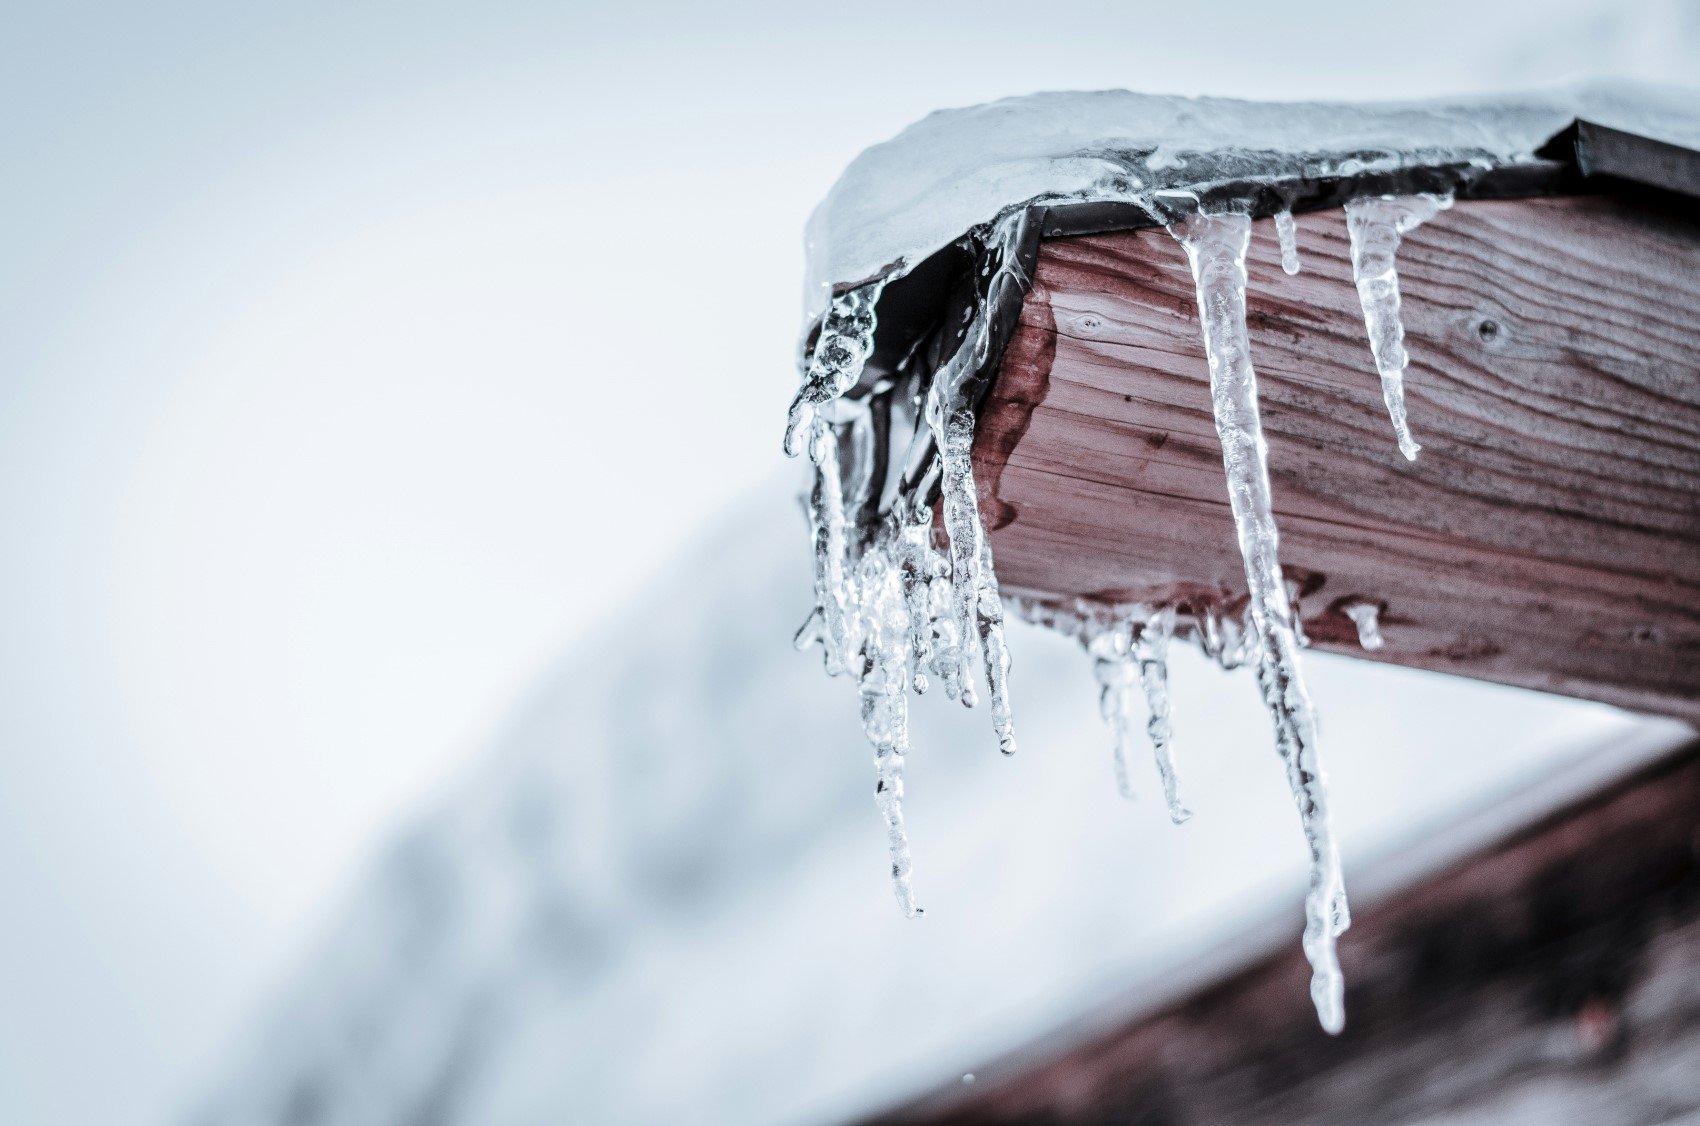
x: 955, y: 169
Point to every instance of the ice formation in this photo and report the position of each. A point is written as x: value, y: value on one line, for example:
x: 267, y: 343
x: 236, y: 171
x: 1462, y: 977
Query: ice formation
x: 845, y: 342
x: 1375, y: 225
x: 885, y: 705
x: 1367, y: 617
x: 900, y: 606
x: 1151, y: 651
x: 1117, y: 671
x: 1215, y: 247
x: 861, y: 612
x: 1130, y: 655
x: 1129, y: 649
x: 890, y: 607
x: 1288, y: 232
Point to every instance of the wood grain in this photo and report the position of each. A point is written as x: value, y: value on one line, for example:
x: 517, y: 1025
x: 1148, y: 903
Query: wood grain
x: 1553, y: 978
x: 1548, y: 534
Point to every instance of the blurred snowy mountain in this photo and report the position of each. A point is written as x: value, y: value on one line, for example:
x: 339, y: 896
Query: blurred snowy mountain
x: 663, y: 898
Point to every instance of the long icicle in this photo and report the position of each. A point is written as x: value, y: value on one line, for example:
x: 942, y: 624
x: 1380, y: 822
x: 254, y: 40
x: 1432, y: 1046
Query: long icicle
x: 977, y: 608
x: 841, y: 351
x: 1375, y: 224
x: 826, y: 516
x: 988, y: 610
x: 885, y: 704
x: 1216, y: 247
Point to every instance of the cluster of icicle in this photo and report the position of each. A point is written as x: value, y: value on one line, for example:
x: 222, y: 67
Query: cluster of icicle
x: 1129, y: 647
x: 893, y: 609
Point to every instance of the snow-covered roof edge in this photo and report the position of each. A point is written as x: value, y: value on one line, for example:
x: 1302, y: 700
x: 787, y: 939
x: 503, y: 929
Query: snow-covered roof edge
x: 954, y: 170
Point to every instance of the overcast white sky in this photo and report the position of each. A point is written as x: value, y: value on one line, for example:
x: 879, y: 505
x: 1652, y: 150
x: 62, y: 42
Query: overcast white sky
x: 354, y: 358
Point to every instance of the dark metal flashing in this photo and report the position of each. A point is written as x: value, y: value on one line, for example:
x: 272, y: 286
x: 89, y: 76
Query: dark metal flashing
x: 1600, y: 152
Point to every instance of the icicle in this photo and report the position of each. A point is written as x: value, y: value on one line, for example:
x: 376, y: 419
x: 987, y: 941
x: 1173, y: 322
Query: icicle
x: 826, y: 516
x: 1288, y: 232
x: 1215, y: 247
x: 1367, y: 617
x: 1151, y: 650
x: 889, y: 606
x: 1298, y: 619
x: 976, y: 606
x: 1210, y: 638
x: 961, y: 521
x: 1375, y: 225
x: 948, y: 657
x: 1225, y: 640
x: 990, y: 620
x: 885, y: 706
x: 809, y: 632
x: 1117, y: 672
x: 1129, y: 647
x: 976, y: 610
x: 846, y: 341
x: 917, y: 558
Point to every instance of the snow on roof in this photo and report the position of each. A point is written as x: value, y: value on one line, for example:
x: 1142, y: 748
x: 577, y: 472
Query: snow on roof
x: 955, y: 169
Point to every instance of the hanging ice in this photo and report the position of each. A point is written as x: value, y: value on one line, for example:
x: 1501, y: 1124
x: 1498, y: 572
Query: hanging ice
x: 975, y: 603
x: 845, y: 343
x: 1375, y: 225
x: 976, y: 606
x: 1117, y: 672
x: 885, y: 705
x: 1288, y: 232
x: 1225, y: 639
x: 1215, y: 247
x: 897, y: 610
x: 893, y: 610
x: 1367, y: 617
x: 1151, y: 651
x: 915, y: 558
x: 890, y: 608
x: 826, y: 517
x: 1129, y: 647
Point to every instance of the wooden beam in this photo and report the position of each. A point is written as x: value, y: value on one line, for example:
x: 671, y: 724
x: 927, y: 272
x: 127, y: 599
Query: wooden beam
x: 1548, y: 534
x: 1553, y: 978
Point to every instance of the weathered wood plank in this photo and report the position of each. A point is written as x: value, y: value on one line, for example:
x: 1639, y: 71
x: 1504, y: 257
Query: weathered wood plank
x: 1555, y: 978
x: 1549, y: 533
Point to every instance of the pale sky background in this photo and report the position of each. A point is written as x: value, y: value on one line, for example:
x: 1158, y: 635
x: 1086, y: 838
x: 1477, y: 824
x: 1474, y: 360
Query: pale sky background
x: 355, y: 358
